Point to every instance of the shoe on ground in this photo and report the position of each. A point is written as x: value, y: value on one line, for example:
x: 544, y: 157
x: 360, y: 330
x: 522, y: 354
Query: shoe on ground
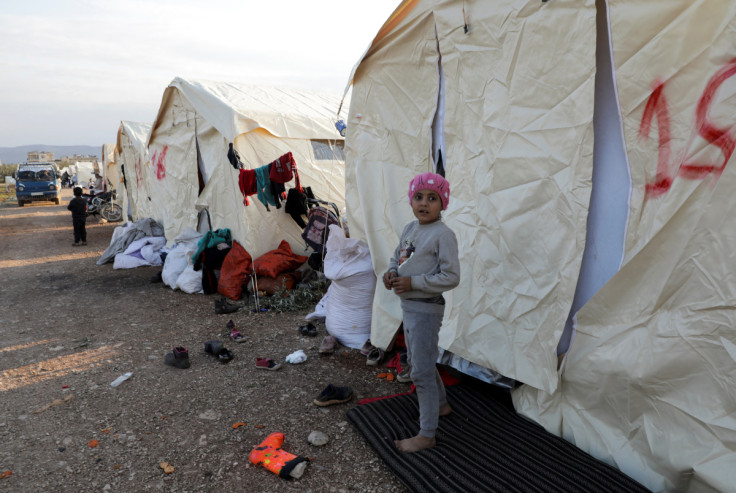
x: 332, y: 395
x: 84, y: 243
x: 179, y: 358
x: 404, y: 376
x: 328, y: 345
x: 367, y: 348
x: 374, y: 357
x: 212, y: 347
x: 236, y: 336
x: 225, y: 355
x: 267, y: 364
x: 308, y: 330
x: 223, y: 307
x: 75, y: 244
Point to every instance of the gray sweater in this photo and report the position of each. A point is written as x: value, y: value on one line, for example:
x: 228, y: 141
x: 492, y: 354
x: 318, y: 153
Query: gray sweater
x: 428, y: 254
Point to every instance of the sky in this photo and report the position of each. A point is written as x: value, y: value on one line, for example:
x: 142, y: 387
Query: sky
x: 72, y: 70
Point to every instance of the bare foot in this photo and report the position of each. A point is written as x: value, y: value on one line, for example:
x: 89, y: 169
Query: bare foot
x: 414, y: 444
x: 445, y: 410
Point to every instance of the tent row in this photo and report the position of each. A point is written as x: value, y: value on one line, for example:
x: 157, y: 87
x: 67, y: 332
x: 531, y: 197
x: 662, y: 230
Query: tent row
x: 589, y: 149
x: 591, y: 193
x: 177, y: 170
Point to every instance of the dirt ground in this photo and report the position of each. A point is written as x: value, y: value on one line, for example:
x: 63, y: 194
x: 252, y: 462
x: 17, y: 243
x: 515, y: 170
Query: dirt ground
x: 68, y: 328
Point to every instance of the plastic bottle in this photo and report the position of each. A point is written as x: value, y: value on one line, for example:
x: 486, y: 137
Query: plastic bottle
x: 121, y: 379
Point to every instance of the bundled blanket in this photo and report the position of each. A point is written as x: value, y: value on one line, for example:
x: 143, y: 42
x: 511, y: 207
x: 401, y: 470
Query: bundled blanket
x: 126, y: 234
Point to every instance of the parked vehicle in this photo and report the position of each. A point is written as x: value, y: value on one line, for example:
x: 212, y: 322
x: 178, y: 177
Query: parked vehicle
x: 104, y: 205
x: 37, y: 182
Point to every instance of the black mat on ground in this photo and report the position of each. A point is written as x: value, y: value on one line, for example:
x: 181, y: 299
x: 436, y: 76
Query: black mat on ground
x: 483, y: 446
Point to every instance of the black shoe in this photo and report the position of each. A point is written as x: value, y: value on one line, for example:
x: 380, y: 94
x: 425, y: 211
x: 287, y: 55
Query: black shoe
x: 308, y: 330
x: 222, y: 307
x: 179, y: 358
x: 215, y: 348
x: 333, y: 395
x: 212, y: 347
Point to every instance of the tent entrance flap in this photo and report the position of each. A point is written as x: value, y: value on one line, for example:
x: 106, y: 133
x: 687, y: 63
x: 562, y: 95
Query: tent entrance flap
x: 608, y: 212
x: 438, y: 123
x: 201, y: 171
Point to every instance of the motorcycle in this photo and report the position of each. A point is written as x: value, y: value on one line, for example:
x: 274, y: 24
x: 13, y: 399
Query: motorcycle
x: 104, y: 205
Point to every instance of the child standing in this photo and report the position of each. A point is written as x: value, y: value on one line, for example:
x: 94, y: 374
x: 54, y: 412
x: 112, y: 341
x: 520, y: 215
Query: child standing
x: 78, y: 206
x: 424, y: 265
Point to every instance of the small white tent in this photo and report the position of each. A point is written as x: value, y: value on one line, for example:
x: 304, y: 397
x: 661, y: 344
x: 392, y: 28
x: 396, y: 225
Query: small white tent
x: 83, y: 172
x: 111, y: 173
x: 188, y: 169
x: 566, y: 167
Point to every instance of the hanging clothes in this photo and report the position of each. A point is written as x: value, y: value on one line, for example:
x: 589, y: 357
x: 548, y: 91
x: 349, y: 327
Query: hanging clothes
x: 297, y: 205
x: 234, y: 157
x: 263, y: 182
x: 248, y: 184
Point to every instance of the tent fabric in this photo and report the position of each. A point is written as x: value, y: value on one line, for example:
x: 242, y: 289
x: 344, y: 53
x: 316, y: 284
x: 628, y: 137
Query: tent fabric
x: 235, y: 109
x: 518, y: 133
x: 649, y: 383
x: 130, y: 161
x: 111, y: 173
x: 190, y: 172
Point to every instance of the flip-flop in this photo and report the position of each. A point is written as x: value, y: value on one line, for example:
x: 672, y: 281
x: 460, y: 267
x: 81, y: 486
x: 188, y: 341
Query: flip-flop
x: 267, y: 364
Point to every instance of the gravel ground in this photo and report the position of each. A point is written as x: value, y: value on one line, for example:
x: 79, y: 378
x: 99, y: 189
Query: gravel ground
x: 69, y: 327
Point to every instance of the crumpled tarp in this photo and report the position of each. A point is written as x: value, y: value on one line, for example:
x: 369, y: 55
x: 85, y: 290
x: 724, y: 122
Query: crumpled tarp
x: 126, y: 234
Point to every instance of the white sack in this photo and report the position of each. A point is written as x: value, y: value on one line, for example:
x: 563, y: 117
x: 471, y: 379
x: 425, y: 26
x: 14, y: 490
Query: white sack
x: 176, y: 262
x: 190, y: 281
x: 178, y: 258
x: 345, y: 256
x: 320, y: 311
x: 348, y: 265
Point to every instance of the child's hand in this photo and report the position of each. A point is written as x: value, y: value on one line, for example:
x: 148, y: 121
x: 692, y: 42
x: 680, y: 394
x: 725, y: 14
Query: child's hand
x: 387, y: 277
x: 401, y: 284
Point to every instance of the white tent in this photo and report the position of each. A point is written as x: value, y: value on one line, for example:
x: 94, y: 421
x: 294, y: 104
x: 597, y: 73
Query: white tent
x: 84, y: 171
x: 111, y: 173
x: 130, y: 158
x: 188, y: 169
x: 569, y: 168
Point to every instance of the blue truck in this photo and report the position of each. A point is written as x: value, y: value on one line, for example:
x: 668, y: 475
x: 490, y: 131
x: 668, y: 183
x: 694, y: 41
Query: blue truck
x: 37, y: 182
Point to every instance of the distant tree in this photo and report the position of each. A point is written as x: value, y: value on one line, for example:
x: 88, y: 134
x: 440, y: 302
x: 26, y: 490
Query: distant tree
x: 7, y: 170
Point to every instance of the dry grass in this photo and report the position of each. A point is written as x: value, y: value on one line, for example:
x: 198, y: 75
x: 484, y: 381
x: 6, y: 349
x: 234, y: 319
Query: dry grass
x: 7, y: 197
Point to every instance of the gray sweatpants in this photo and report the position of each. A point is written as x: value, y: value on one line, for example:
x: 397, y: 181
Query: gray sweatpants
x: 422, y: 323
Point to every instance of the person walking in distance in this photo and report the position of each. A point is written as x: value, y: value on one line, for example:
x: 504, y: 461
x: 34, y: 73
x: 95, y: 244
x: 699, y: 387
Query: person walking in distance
x: 424, y: 265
